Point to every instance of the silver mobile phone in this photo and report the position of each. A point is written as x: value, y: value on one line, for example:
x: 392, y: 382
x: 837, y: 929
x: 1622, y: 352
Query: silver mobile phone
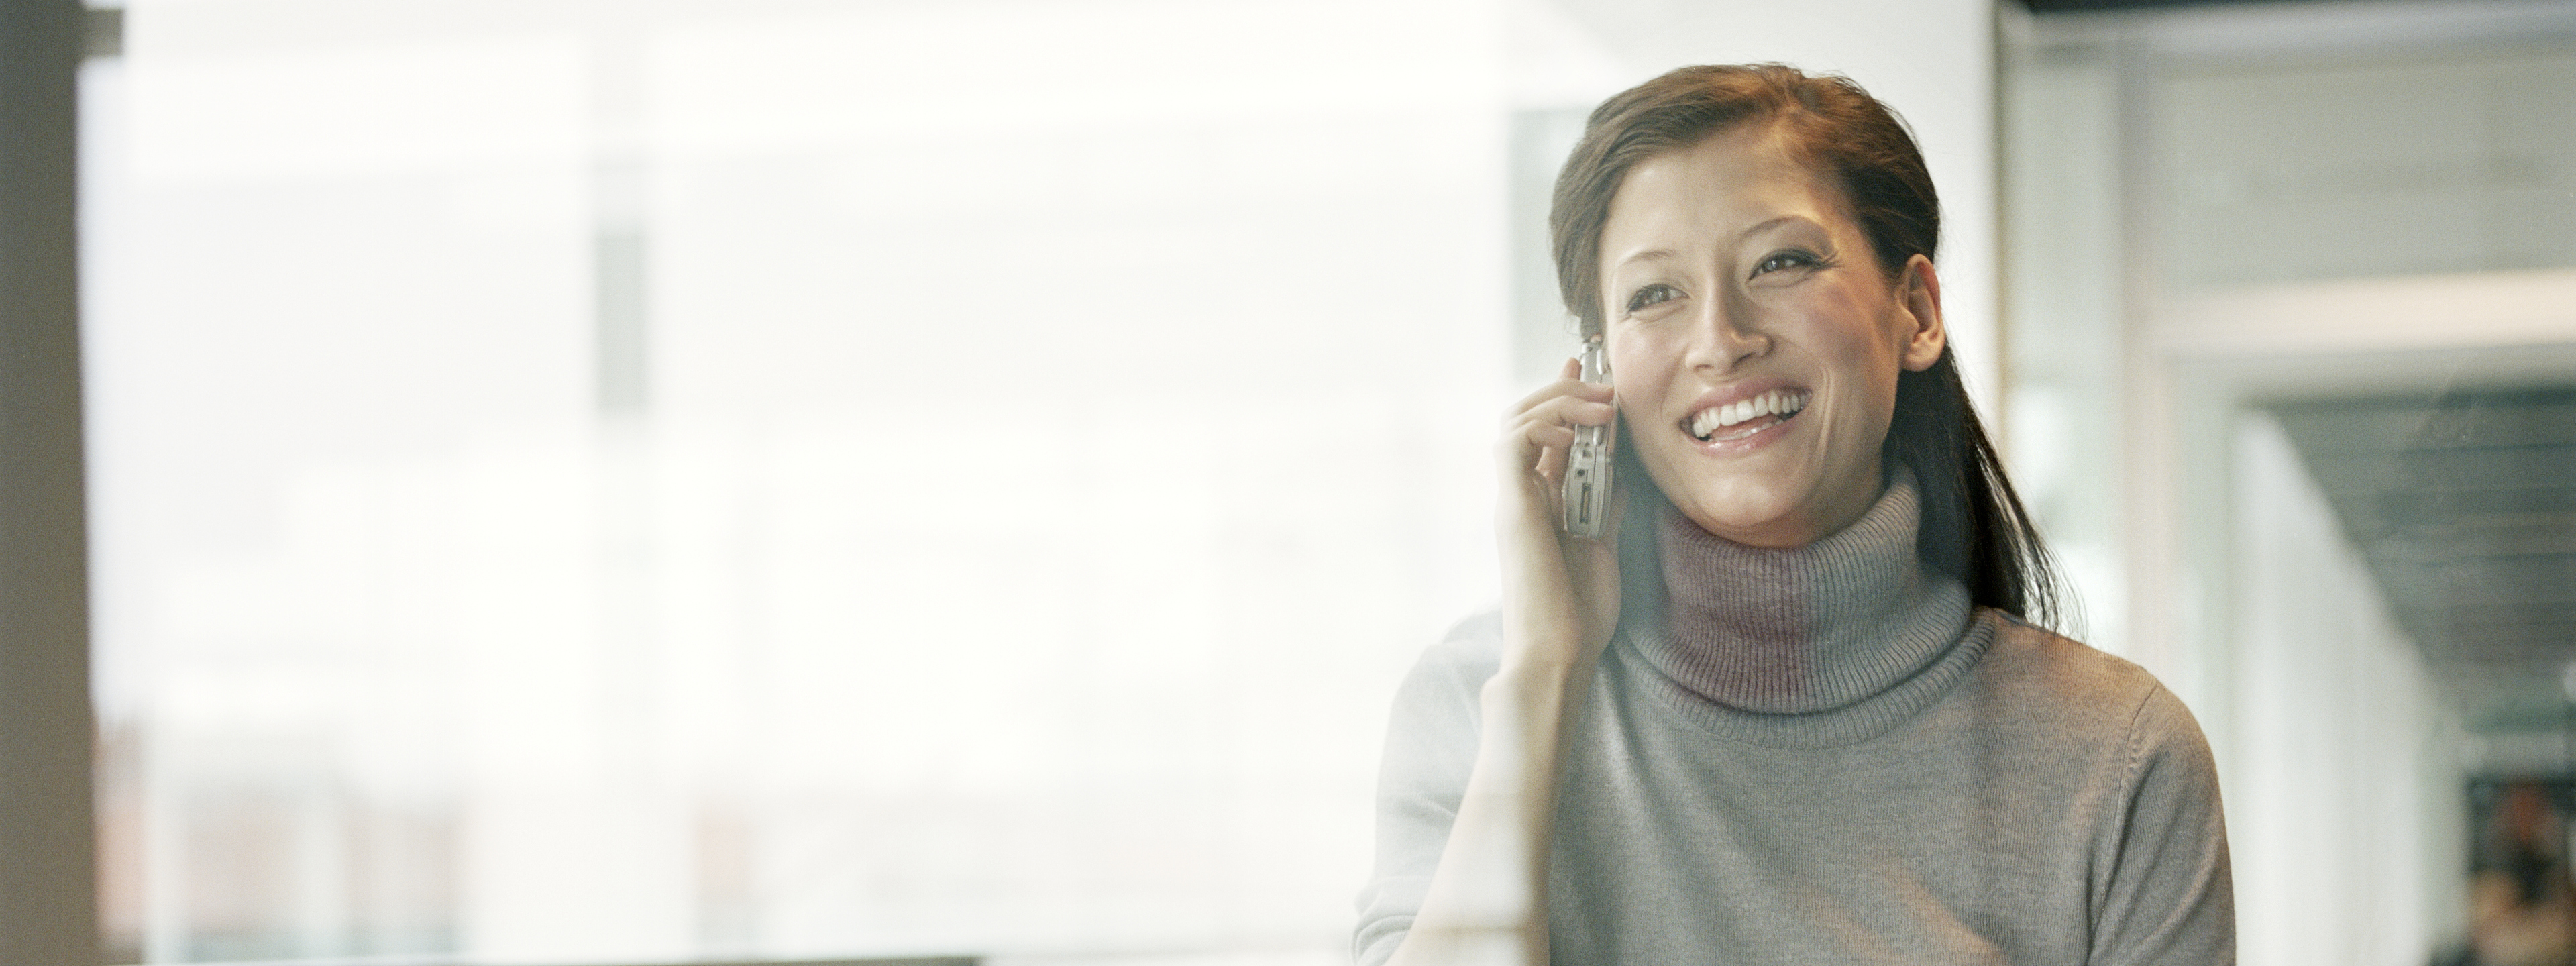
x: 1587, y: 465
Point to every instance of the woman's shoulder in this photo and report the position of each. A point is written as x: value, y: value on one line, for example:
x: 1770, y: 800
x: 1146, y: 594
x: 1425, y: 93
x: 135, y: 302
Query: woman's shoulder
x: 1431, y: 732
x: 1461, y: 661
x: 1475, y: 638
x: 2064, y: 685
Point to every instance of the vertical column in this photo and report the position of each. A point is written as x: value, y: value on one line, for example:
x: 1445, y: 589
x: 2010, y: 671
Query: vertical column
x: 618, y: 204
x: 582, y: 851
x: 48, y: 887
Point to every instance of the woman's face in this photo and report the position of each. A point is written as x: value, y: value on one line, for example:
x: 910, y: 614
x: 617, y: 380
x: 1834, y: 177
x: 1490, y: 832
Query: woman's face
x: 1754, y: 338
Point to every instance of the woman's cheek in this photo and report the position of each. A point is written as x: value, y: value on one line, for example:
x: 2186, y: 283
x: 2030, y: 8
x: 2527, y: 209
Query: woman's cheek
x: 1639, y: 360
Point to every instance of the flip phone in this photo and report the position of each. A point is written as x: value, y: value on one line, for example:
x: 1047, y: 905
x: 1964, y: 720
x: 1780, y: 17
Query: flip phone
x: 1587, y: 465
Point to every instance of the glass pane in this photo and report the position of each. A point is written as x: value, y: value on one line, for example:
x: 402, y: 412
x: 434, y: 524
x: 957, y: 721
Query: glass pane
x: 592, y: 482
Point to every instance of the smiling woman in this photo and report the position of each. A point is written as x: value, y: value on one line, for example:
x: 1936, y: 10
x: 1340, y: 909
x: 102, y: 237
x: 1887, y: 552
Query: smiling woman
x: 1740, y: 319
x: 1790, y: 707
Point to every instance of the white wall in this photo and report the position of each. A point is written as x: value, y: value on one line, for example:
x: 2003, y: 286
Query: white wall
x: 2343, y: 788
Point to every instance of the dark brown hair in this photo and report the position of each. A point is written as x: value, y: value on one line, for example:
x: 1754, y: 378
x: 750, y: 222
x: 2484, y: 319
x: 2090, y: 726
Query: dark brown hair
x: 1973, y: 527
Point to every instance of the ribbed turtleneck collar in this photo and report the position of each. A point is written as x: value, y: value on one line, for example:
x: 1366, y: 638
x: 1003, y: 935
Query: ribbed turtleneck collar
x: 1815, y: 645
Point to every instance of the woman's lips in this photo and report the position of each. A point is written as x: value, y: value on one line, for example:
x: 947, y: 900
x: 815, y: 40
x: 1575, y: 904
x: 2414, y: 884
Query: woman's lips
x: 1740, y: 414
x: 1749, y: 427
x: 1746, y: 437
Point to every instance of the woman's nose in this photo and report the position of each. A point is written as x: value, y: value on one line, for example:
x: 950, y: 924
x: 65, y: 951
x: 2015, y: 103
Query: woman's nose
x: 1724, y: 338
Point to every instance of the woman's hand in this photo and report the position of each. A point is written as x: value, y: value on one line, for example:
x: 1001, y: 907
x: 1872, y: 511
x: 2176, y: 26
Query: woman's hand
x: 1487, y: 903
x: 1560, y: 592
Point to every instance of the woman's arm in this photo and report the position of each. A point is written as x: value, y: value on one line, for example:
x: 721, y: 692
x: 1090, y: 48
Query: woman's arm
x: 2170, y: 900
x: 1487, y: 900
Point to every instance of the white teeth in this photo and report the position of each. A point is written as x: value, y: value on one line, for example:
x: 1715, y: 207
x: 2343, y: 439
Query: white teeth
x: 1786, y: 402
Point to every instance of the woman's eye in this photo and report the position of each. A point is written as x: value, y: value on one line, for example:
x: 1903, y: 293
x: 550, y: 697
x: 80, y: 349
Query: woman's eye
x: 1650, y: 295
x: 1788, y: 259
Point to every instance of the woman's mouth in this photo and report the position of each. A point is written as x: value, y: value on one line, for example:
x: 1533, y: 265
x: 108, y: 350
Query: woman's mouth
x: 1745, y: 417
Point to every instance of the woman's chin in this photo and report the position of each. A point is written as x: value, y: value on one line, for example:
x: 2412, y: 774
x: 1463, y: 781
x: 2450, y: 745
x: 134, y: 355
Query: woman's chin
x: 1781, y: 500
x: 1755, y: 521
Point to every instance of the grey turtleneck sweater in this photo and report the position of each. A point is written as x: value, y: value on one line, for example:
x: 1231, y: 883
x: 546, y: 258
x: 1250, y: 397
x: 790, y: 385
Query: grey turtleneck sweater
x: 1820, y: 755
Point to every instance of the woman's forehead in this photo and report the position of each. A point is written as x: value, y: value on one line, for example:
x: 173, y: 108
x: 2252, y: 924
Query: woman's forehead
x: 1721, y: 185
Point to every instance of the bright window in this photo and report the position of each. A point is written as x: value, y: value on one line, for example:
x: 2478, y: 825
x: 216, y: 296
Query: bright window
x: 584, y: 482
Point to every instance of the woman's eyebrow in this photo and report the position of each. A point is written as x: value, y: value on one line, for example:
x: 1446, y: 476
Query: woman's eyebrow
x: 1649, y: 255
x: 1777, y: 222
x: 1663, y: 254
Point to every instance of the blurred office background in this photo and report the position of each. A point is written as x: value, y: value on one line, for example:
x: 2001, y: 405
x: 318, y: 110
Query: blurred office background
x: 578, y: 481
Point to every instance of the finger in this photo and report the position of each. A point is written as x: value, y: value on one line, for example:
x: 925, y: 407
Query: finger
x: 1543, y: 429
x: 1595, y: 391
x: 1524, y: 448
x: 1548, y: 436
x: 1551, y: 464
x: 1572, y: 411
x: 1538, y: 397
x: 1572, y: 372
x: 1550, y: 424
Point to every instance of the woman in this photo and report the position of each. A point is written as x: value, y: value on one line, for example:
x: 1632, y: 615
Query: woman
x: 1787, y: 709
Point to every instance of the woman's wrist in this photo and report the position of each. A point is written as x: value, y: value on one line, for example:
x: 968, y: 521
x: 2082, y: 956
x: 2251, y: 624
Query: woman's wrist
x: 1535, y: 690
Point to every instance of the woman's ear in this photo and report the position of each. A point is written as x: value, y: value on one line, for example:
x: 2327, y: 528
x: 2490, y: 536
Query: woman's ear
x: 1918, y: 296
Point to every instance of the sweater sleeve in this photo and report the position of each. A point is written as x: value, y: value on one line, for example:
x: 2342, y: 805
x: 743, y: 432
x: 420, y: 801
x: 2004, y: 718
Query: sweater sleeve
x: 2170, y: 898
x: 1430, y: 749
